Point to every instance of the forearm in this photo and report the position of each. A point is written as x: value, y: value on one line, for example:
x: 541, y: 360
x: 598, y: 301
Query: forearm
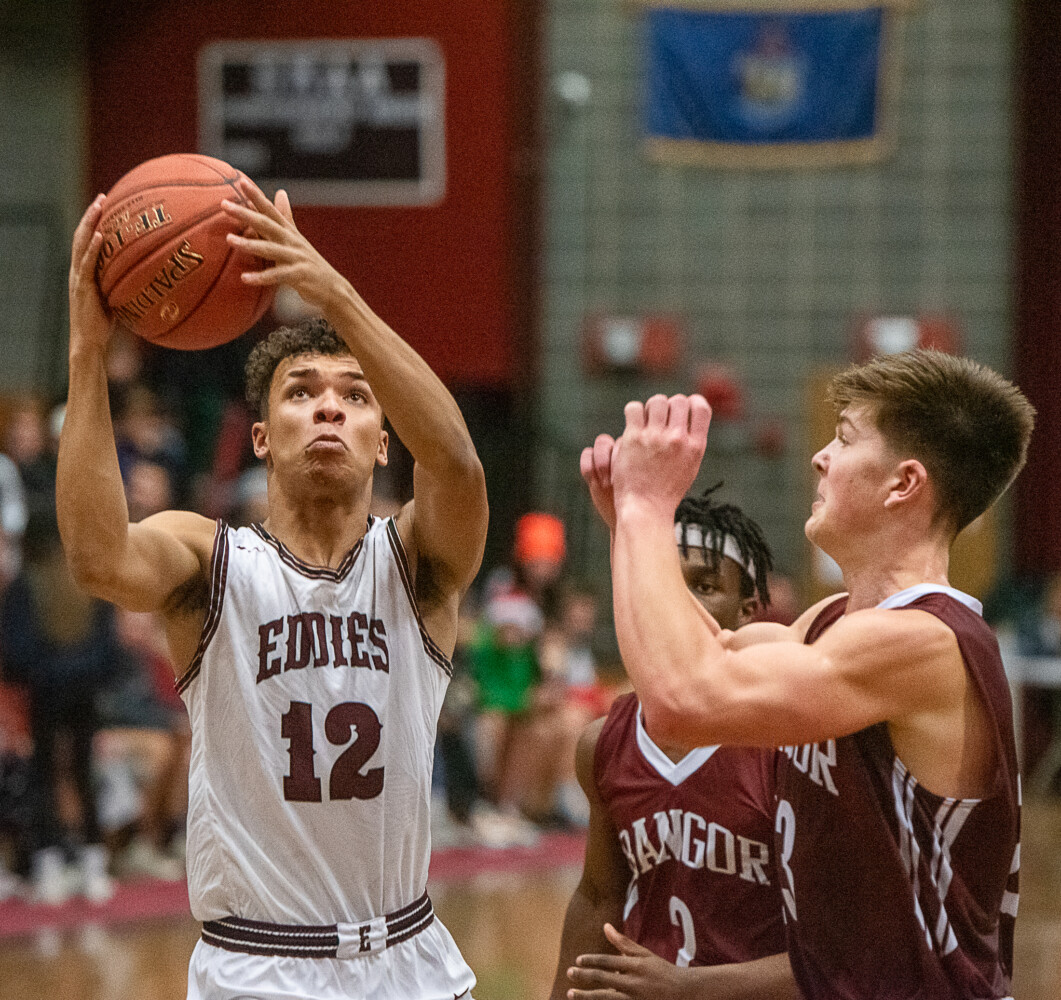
x: 583, y: 934
x: 420, y: 408
x: 90, y: 497
x: 666, y: 644
x: 764, y: 979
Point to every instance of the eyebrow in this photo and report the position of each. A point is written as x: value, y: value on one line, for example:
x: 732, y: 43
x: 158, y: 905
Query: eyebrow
x: 308, y: 370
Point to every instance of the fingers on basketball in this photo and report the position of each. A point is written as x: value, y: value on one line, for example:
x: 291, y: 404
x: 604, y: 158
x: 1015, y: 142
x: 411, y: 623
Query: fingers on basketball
x: 165, y: 267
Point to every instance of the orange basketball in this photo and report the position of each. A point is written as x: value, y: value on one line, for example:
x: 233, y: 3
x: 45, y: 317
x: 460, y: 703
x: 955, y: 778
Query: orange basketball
x: 165, y: 269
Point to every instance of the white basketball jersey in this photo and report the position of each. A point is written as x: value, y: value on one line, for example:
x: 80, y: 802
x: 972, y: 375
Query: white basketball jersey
x: 313, y: 697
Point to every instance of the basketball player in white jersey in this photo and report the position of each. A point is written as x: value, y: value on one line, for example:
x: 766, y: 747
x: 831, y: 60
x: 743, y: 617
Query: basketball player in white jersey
x: 312, y: 650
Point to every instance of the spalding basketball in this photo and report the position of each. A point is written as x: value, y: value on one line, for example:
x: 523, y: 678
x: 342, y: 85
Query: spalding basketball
x: 165, y: 269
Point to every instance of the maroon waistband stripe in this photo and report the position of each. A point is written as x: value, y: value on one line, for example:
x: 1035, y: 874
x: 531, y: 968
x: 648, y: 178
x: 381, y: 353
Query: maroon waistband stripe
x: 256, y: 937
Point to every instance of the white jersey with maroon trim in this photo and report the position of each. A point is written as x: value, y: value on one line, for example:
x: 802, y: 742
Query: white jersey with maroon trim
x: 313, y: 698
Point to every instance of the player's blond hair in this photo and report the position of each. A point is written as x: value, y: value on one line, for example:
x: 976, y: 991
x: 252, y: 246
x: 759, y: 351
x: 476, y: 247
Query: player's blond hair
x: 965, y: 423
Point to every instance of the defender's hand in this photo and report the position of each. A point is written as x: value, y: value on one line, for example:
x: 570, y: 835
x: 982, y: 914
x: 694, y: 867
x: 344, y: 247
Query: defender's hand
x: 656, y: 460
x: 595, y: 465
x: 634, y: 974
x: 270, y: 233
x: 90, y: 326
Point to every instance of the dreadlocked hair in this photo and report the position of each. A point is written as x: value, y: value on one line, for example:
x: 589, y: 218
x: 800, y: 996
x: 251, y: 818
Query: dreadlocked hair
x: 716, y: 521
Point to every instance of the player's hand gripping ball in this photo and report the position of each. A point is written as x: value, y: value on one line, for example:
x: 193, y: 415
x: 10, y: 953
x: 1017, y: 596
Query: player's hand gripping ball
x: 165, y: 269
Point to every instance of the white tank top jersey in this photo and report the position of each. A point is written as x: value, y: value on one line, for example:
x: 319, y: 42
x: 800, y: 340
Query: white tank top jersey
x: 313, y: 696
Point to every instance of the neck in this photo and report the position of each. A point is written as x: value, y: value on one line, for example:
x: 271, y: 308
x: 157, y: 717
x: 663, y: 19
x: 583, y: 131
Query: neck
x: 871, y: 579
x: 319, y: 530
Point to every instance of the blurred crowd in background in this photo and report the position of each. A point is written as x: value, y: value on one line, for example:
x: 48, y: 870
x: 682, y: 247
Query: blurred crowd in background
x: 94, y: 740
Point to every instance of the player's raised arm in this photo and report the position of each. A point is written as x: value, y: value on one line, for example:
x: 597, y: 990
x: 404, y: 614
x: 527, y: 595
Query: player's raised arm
x: 138, y: 567
x: 598, y: 898
x: 767, y: 693
x: 447, y: 523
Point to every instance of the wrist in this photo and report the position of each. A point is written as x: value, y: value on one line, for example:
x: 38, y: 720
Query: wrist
x: 638, y: 513
x: 85, y: 351
x: 342, y: 305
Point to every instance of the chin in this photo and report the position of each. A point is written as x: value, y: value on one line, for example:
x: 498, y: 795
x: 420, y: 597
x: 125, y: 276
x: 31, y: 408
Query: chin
x: 817, y: 533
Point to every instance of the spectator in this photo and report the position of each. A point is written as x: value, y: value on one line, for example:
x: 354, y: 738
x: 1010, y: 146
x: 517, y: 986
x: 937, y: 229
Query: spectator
x: 13, y: 515
x: 16, y: 788
x: 251, y: 499
x: 465, y: 816
x: 506, y: 671
x: 62, y: 646
x: 570, y: 697
x: 147, y: 737
x: 144, y: 432
x: 145, y: 747
x: 28, y: 444
x: 1039, y: 633
x: 518, y: 755
x: 1037, y: 623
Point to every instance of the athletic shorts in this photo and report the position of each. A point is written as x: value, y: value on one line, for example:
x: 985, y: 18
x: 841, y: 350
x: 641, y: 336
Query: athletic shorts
x: 427, y: 966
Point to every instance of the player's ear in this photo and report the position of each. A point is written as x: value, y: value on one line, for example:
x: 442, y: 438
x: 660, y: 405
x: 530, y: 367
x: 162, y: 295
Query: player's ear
x: 260, y: 439
x: 381, y: 451
x: 910, y: 480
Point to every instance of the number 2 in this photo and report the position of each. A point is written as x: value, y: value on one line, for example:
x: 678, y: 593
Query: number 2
x: 346, y: 781
x: 681, y: 916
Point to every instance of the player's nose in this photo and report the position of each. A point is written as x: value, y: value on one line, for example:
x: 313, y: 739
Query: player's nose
x: 329, y: 408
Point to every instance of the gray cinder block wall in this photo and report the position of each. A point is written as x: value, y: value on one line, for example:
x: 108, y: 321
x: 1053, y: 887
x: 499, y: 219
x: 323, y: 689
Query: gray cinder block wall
x: 767, y: 268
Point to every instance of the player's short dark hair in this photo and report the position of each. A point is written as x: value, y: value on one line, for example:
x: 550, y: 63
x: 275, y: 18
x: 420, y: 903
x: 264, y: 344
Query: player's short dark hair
x: 965, y: 423
x: 716, y: 521
x: 310, y: 336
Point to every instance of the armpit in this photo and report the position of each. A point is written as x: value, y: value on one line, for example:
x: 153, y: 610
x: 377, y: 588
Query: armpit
x: 429, y: 587
x: 191, y: 596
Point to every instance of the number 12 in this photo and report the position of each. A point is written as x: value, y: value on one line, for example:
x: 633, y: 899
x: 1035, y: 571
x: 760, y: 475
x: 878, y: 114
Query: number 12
x: 346, y: 780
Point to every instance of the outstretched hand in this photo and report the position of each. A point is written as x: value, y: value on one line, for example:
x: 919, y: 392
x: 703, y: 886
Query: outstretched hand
x: 270, y: 233
x: 657, y: 458
x: 89, y: 323
x: 634, y: 974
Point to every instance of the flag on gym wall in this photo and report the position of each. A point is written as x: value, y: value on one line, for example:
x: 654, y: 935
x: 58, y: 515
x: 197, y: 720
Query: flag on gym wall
x: 786, y: 83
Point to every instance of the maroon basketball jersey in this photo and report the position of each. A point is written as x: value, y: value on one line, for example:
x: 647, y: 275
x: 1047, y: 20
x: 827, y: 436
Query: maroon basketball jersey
x: 697, y: 838
x: 890, y: 890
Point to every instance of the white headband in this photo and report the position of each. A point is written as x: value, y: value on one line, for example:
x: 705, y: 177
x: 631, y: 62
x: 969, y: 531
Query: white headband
x: 694, y: 538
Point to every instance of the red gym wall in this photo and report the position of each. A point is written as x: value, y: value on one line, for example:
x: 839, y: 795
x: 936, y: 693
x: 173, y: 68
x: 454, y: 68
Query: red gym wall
x: 454, y: 279
x: 1037, y: 347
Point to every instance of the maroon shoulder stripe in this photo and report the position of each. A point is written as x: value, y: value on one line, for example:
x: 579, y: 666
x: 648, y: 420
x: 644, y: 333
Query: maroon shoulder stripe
x: 218, y: 576
x: 430, y: 646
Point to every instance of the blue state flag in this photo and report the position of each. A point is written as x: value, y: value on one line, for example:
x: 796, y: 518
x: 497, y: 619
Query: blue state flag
x: 767, y: 88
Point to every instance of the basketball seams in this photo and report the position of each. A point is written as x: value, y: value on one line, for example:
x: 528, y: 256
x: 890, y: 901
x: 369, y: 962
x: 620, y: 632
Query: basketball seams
x: 171, y: 233
x: 163, y: 226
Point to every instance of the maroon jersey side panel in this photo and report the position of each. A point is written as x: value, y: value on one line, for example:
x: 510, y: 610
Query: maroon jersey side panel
x: 703, y: 888
x: 890, y: 890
